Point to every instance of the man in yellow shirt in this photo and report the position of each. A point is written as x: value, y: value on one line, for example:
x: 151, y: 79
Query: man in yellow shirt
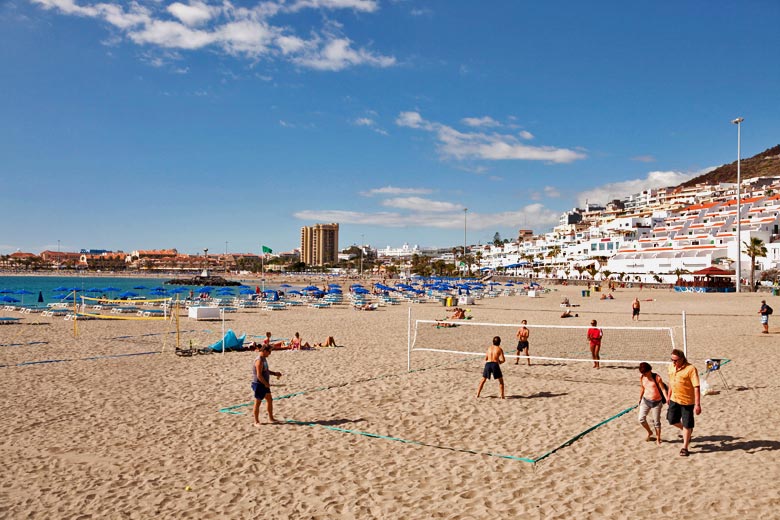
x: 684, y: 397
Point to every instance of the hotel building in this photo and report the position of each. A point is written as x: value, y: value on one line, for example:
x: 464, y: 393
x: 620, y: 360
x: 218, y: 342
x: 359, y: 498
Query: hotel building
x: 320, y: 244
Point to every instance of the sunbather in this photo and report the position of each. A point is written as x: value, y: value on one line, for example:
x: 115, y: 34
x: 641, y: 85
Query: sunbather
x: 330, y: 342
x: 296, y: 344
x: 275, y: 345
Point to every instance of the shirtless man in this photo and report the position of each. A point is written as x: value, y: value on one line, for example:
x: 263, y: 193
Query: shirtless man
x: 522, y: 342
x: 493, y: 358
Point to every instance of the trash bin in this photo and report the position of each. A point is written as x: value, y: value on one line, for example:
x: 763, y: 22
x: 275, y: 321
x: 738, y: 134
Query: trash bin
x: 584, y: 293
x: 449, y: 301
x: 775, y: 292
x: 598, y: 288
x: 587, y: 293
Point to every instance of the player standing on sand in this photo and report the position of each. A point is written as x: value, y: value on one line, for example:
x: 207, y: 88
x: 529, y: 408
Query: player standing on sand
x: 493, y: 358
x: 261, y: 384
x: 522, y: 342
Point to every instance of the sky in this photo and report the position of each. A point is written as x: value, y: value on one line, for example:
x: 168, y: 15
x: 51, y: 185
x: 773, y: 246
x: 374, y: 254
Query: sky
x: 229, y: 125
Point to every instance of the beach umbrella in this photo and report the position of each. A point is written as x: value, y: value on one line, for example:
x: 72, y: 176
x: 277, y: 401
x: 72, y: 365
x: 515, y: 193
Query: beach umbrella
x: 40, y: 296
x: 206, y: 289
x: 106, y: 289
x: 139, y: 287
x: 285, y: 285
x: 128, y: 294
x: 246, y: 290
x: 361, y: 290
x: 333, y: 290
x: 23, y: 292
x: 294, y: 292
x: 311, y: 288
x: 59, y: 289
x: 7, y: 291
x: 8, y: 299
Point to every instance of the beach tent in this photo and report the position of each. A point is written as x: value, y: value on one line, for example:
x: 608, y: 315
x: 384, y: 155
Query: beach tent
x: 231, y: 342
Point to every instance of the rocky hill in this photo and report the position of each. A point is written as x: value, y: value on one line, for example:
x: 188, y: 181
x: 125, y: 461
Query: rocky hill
x: 765, y: 164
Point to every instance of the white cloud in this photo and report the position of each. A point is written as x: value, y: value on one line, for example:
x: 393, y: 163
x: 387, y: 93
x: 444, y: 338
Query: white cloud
x: 525, y: 134
x: 392, y: 190
x: 194, y: 13
x: 366, y: 6
x: 552, y: 192
x: 420, y: 204
x: 618, y: 190
x: 337, y: 54
x: 236, y: 31
x: 644, y: 158
x: 369, y: 123
x: 453, y: 144
x: 478, y: 122
x: 533, y: 215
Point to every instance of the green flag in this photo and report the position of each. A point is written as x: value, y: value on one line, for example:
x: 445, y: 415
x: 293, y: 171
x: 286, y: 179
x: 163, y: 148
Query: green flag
x: 267, y: 250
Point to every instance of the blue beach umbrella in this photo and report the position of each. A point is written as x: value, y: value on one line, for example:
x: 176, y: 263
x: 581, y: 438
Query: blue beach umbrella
x: 247, y: 290
x: 139, y: 287
x: 311, y: 288
x: 8, y: 299
x: 128, y: 294
x: 23, y: 292
x: 59, y: 289
x: 285, y: 285
x: 298, y: 293
x: 7, y: 291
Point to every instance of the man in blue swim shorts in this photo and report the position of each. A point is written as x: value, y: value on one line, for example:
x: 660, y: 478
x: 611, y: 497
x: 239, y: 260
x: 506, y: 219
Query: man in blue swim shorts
x: 261, y: 384
x: 493, y: 359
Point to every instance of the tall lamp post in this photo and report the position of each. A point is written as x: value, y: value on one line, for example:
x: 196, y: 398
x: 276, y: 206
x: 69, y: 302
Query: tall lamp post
x: 465, y: 260
x: 362, y: 239
x: 738, y: 122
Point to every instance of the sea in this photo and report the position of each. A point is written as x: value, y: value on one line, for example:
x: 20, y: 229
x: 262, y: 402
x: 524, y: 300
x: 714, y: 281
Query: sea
x: 52, y: 289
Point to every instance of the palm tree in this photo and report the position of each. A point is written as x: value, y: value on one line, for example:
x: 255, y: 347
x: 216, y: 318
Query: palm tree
x: 678, y: 273
x: 755, y: 248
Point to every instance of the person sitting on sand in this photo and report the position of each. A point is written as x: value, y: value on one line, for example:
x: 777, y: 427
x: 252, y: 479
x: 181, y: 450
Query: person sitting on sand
x: 296, y: 344
x: 565, y: 302
x: 567, y: 314
x: 458, y: 313
x: 330, y: 342
x: 275, y: 345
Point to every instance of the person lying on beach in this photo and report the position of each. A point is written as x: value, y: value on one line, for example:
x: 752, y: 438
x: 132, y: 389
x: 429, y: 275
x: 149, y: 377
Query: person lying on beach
x: 330, y: 342
x: 367, y: 307
x: 458, y: 314
x: 567, y: 314
x: 275, y: 345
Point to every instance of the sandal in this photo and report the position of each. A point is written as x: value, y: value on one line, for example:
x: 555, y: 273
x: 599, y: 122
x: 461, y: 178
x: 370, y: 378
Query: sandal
x: 683, y: 452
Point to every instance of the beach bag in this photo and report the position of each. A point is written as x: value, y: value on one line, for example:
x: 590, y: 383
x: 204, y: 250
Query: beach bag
x: 768, y: 310
x: 660, y: 387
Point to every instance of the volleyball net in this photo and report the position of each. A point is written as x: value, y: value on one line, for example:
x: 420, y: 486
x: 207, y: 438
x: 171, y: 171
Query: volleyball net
x: 108, y: 309
x: 561, y: 343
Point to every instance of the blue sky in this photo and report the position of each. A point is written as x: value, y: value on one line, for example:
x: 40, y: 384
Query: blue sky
x: 157, y: 124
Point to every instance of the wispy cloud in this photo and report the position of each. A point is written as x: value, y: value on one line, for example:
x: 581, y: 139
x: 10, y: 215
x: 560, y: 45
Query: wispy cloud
x: 420, y: 204
x: 236, y: 31
x: 453, y: 144
x: 532, y: 215
x: 618, y: 190
x: 480, y: 122
x: 369, y: 123
x: 393, y: 190
x: 644, y: 158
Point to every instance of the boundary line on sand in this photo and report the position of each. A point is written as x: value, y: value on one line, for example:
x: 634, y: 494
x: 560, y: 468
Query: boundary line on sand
x: 231, y: 411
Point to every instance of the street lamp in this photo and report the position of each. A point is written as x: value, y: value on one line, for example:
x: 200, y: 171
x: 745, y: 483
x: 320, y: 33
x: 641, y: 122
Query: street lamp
x: 738, y: 122
x: 362, y: 239
x: 226, y: 244
x: 465, y: 260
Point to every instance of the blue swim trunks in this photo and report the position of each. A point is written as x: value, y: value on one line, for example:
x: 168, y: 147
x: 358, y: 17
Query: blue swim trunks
x: 492, y: 369
x: 260, y: 390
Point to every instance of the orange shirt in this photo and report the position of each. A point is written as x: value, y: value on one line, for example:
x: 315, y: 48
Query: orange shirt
x: 682, y: 383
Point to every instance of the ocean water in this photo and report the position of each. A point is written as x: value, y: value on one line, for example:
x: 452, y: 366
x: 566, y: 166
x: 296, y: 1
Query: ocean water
x: 53, y: 288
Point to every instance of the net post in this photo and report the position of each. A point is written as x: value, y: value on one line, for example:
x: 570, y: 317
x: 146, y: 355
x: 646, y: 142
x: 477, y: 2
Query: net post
x: 409, y: 340
x: 684, y: 335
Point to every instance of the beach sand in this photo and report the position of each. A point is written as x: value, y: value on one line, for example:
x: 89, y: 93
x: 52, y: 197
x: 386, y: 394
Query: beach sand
x: 143, y: 437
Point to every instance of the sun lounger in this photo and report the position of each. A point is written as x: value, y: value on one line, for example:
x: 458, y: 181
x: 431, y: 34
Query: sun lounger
x: 319, y: 305
x: 275, y: 306
x: 9, y: 321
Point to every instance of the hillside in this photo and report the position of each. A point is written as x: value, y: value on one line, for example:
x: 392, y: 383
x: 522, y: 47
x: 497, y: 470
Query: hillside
x: 765, y: 164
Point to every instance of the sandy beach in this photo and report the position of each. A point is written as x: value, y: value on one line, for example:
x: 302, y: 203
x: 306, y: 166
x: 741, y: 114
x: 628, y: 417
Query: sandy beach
x: 99, y: 435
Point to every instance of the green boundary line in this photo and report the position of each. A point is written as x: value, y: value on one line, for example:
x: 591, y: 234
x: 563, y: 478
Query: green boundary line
x: 230, y: 410
x: 91, y: 358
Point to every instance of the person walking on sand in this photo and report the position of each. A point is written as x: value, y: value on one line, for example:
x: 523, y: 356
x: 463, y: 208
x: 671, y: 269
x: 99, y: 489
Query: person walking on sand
x: 493, y: 359
x: 652, y: 396
x: 635, y: 309
x: 594, y: 339
x: 522, y: 341
x: 684, y: 397
x: 765, y: 311
x: 261, y: 384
